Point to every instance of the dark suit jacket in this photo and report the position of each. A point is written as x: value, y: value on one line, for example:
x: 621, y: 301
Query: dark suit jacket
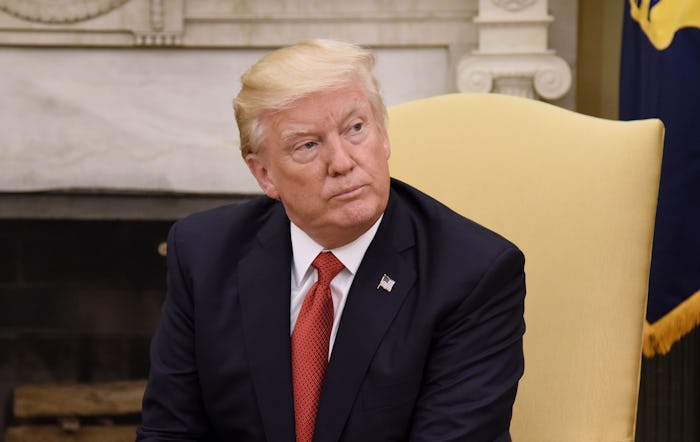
x: 437, y: 358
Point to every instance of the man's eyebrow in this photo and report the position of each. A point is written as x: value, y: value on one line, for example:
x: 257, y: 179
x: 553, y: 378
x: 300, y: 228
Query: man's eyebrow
x: 356, y: 107
x: 296, y: 132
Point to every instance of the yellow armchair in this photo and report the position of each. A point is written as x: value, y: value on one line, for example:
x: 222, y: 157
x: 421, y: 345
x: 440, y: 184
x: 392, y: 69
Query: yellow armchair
x: 578, y: 195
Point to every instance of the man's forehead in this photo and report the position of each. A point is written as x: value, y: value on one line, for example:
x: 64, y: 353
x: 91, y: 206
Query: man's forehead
x: 292, y: 125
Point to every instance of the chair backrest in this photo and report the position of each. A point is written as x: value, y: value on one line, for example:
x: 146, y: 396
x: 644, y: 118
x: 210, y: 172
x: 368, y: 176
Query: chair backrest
x: 578, y: 195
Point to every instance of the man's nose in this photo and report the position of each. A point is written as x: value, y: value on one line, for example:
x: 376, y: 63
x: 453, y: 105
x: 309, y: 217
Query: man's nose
x: 339, y: 156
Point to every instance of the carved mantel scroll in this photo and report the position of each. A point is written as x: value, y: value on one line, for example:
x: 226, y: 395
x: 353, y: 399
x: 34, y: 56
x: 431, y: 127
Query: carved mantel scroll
x: 92, y: 23
x: 512, y: 55
x: 546, y: 75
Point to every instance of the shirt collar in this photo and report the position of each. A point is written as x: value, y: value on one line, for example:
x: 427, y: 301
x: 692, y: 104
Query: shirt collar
x: 305, y: 250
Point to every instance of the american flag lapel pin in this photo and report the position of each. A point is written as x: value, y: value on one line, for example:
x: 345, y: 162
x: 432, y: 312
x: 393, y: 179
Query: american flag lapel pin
x: 386, y: 283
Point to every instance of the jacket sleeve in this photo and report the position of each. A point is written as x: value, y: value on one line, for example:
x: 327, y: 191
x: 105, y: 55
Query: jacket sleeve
x: 172, y: 404
x: 476, y: 360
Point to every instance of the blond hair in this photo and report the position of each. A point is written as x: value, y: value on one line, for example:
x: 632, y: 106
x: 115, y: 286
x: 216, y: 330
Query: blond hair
x: 283, y: 76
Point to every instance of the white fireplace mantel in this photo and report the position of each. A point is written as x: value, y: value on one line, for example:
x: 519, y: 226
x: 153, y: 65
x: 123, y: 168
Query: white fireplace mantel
x: 136, y: 94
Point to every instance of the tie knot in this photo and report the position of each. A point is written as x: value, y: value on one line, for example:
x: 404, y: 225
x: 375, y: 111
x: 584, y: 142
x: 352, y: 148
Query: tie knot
x: 328, y: 266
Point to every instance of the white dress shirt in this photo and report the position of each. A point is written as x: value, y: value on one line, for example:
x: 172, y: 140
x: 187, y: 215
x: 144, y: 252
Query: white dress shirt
x: 305, y: 250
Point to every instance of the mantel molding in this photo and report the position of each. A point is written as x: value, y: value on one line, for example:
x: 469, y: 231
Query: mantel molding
x: 226, y: 24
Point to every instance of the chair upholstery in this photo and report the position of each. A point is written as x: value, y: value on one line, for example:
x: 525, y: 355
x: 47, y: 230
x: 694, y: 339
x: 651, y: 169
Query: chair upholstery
x: 578, y: 195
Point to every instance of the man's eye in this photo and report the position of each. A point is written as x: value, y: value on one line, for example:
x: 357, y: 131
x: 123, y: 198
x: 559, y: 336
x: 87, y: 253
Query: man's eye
x: 357, y: 127
x: 305, y: 152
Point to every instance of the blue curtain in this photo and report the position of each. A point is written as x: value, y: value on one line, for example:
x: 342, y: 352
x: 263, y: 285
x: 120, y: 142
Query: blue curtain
x: 660, y: 77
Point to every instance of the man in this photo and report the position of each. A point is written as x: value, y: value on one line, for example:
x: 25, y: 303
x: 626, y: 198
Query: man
x: 410, y: 329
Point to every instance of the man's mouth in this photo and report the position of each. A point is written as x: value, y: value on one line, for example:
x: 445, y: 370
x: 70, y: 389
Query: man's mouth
x: 349, y: 192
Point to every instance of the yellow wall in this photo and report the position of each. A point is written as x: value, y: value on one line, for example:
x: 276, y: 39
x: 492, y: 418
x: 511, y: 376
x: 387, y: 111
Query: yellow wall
x: 598, y: 67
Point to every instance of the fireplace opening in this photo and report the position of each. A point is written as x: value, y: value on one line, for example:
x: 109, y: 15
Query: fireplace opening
x: 82, y: 281
x: 79, y: 300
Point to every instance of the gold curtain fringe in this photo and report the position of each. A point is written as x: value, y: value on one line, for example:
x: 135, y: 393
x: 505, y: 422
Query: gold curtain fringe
x: 660, y: 336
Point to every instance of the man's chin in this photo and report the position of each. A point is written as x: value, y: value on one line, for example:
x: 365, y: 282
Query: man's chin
x: 358, y: 217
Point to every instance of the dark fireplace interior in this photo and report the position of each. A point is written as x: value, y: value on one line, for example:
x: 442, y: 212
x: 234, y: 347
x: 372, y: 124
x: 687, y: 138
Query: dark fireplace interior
x: 81, y: 285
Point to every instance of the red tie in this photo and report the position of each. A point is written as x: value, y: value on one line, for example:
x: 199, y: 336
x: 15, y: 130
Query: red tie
x: 310, y: 339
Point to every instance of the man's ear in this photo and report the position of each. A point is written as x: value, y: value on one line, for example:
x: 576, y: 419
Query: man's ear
x: 257, y: 167
x: 387, y: 145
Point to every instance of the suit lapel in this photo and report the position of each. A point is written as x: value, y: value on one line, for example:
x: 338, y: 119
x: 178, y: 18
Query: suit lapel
x: 368, y: 313
x: 264, y: 284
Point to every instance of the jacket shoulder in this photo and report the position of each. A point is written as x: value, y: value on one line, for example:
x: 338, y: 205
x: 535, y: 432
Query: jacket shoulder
x: 442, y: 226
x: 224, y: 232
x: 231, y: 216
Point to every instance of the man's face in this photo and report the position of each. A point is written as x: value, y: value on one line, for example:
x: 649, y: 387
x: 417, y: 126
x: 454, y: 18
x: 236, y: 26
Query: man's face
x: 326, y: 159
